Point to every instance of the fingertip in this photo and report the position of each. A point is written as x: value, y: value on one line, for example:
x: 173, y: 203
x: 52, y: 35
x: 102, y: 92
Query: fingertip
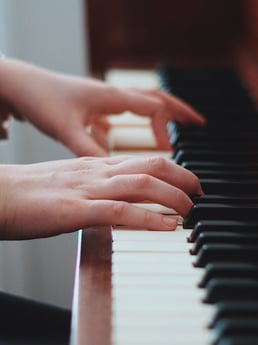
x: 170, y: 223
x: 201, y: 119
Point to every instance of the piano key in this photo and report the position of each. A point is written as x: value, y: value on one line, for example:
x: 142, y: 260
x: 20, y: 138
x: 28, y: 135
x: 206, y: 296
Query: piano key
x: 228, y: 270
x: 222, y: 174
x: 233, y: 156
x: 231, y: 187
x: 224, y: 199
x: 151, y: 319
x: 220, y: 211
x: 244, y: 226
x: 227, y: 166
x: 212, y: 136
x: 211, y: 253
x: 231, y: 309
x: 217, y: 126
x: 236, y: 327
x: 247, y: 340
x: 142, y: 285
x: 223, y: 238
x: 226, y: 290
x: 154, y: 337
x: 147, y: 246
x: 214, y: 152
x: 216, y: 145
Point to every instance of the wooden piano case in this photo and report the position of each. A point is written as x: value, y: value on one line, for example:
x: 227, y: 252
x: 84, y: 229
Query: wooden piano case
x: 146, y: 34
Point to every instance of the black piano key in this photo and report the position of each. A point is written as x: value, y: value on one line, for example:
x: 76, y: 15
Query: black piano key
x: 228, y: 270
x: 213, y: 91
x: 218, y: 126
x: 222, y: 174
x: 216, y: 145
x: 201, y: 134
x: 236, y: 327
x: 243, y: 340
x: 211, y: 253
x: 216, y: 155
x: 224, y: 149
x: 231, y: 187
x: 220, y: 212
x: 229, y: 290
x: 224, y: 199
x: 245, y: 226
x: 223, y: 238
x: 202, y: 137
x: 231, y: 309
x: 227, y: 166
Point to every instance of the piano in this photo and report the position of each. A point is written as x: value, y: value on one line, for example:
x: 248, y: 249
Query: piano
x: 199, y: 284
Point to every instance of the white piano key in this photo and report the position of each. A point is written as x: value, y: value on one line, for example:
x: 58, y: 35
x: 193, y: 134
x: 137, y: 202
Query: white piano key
x: 159, y: 268
x: 162, y: 321
x: 154, y: 290
x: 148, y: 235
x: 178, y: 308
x: 151, y: 280
x: 179, y: 336
x: 149, y: 246
x: 173, y: 258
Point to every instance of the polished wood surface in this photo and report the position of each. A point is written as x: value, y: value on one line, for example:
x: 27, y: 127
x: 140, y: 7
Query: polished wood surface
x: 91, y: 317
x: 147, y: 33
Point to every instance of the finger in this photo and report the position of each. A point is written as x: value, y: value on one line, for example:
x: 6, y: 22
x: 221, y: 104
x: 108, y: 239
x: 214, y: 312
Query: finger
x: 122, y: 213
x: 80, y: 143
x: 103, y: 123
x: 160, y: 168
x: 141, y: 187
x: 128, y: 99
x: 159, y: 126
x: 100, y: 136
x: 176, y: 109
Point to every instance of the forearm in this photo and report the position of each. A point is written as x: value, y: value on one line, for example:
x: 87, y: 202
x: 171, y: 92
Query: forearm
x: 18, y: 83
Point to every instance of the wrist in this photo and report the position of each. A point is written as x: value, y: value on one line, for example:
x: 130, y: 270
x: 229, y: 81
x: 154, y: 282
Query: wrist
x: 9, y: 90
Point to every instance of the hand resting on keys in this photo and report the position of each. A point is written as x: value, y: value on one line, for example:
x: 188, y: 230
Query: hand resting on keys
x: 63, y: 106
x: 49, y: 198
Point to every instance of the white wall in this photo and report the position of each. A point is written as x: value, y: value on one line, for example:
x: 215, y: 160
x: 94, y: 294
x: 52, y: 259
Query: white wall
x: 49, y: 33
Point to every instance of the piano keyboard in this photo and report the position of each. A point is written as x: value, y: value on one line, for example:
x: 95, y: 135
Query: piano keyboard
x: 199, y: 284
x: 154, y: 301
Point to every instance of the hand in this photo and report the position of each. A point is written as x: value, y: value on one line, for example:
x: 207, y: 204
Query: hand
x: 64, y: 106
x: 57, y: 197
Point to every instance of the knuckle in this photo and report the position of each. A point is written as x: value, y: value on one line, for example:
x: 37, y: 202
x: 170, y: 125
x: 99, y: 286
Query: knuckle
x: 160, y: 103
x: 158, y: 163
x: 179, y: 196
x: 118, y: 209
x: 141, y: 181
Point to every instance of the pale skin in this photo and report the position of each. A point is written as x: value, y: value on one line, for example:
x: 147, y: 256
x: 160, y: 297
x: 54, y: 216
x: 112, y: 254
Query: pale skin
x: 50, y: 198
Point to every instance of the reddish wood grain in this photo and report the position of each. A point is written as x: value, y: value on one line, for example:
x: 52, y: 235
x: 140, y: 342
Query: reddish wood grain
x: 91, y: 315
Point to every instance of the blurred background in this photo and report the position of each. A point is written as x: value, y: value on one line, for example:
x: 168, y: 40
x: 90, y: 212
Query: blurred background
x: 51, y: 34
